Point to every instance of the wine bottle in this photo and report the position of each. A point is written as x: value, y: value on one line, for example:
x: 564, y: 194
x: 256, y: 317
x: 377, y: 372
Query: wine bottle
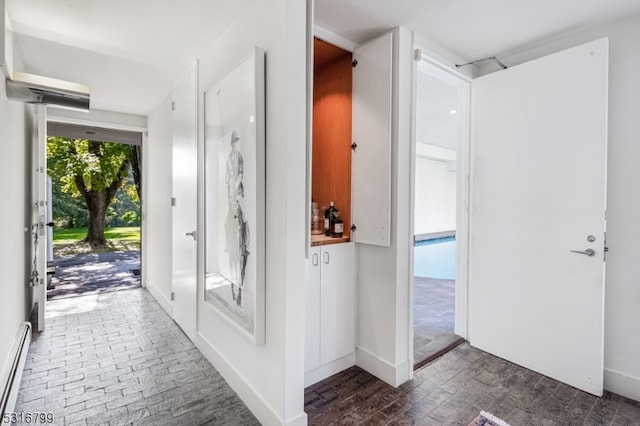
x: 328, y: 219
x: 338, y: 225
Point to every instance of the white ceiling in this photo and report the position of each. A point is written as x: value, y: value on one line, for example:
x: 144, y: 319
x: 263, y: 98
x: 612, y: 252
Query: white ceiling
x: 131, y: 52
x: 473, y: 29
x: 439, y: 104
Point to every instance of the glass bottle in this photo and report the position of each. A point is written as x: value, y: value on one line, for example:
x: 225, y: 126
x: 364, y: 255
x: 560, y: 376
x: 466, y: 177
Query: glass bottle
x: 338, y: 226
x: 328, y: 219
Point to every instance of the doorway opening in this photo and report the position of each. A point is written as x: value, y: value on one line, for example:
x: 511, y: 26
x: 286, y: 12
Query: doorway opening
x: 441, y: 107
x: 94, y: 192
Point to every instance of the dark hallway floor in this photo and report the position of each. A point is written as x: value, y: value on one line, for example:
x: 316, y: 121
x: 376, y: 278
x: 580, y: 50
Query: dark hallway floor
x: 453, y: 389
x: 117, y: 358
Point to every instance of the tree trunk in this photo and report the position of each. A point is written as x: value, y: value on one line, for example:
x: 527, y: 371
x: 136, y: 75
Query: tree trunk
x: 136, y: 168
x: 97, y: 211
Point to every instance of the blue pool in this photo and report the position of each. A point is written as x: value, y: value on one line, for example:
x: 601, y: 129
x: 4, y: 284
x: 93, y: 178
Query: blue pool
x: 435, y: 258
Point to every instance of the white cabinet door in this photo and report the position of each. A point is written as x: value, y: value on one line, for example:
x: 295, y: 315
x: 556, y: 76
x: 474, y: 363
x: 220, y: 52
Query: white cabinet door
x: 371, y: 160
x: 337, y: 302
x: 312, y: 311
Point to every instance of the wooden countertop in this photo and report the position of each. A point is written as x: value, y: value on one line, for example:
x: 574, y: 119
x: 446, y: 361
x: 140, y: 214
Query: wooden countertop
x: 321, y: 240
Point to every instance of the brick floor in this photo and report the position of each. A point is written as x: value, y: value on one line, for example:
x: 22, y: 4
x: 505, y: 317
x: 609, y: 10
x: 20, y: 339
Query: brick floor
x: 119, y: 359
x: 453, y: 389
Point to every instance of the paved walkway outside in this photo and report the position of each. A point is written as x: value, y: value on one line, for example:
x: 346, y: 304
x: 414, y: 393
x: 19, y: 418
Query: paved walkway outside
x: 122, y: 360
x: 93, y: 273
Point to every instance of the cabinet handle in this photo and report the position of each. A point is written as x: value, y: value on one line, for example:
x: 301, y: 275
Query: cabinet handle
x: 326, y: 257
x: 314, y: 259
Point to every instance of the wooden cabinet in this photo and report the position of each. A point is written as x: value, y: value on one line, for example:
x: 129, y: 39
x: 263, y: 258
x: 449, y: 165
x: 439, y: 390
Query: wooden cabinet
x: 351, y: 166
x: 332, y: 106
x: 330, y: 311
x: 351, y: 136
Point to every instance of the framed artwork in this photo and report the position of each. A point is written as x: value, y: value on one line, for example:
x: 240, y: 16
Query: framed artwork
x: 235, y: 196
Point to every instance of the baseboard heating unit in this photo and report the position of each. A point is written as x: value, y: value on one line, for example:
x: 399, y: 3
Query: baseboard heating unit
x: 13, y: 373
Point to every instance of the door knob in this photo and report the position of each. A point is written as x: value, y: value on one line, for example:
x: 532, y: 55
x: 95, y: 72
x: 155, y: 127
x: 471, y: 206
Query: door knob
x: 192, y: 234
x: 588, y: 252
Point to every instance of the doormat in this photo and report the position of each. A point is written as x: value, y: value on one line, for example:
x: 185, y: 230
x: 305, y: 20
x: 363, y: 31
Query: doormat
x: 487, y: 419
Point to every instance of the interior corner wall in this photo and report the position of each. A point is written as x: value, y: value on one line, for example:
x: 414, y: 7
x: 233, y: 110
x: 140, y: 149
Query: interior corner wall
x: 16, y: 131
x: 383, y: 317
x: 435, y: 197
x: 270, y: 377
x: 622, y: 292
x: 156, y: 207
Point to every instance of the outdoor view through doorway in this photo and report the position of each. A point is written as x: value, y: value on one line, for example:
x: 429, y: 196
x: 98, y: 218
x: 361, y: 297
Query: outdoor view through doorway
x: 94, y: 192
x: 439, y: 110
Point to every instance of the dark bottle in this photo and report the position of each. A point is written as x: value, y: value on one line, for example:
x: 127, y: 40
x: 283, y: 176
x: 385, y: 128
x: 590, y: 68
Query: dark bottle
x: 338, y: 226
x: 328, y: 219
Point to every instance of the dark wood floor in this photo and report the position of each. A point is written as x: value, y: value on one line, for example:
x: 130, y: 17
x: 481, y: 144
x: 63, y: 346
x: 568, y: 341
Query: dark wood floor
x: 454, y: 389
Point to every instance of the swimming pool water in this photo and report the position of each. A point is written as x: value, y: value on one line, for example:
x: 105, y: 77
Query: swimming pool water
x: 435, y: 258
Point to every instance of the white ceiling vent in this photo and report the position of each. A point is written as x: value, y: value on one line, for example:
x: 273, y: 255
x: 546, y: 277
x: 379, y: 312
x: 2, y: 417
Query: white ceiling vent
x: 35, y: 89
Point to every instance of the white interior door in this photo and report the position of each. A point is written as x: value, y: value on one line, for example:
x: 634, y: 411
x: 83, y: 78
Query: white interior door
x: 39, y: 197
x: 184, y: 217
x: 371, y: 160
x: 539, y: 146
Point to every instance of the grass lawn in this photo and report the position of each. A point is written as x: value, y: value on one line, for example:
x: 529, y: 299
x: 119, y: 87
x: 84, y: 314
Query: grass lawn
x: 67, y: 242
x: 70, y: 235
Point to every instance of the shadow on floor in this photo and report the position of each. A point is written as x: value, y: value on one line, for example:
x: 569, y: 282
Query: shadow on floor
x: 95, y: 273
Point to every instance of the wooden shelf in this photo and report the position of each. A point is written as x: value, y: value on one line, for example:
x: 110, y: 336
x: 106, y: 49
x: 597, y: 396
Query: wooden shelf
x: 321, y: 240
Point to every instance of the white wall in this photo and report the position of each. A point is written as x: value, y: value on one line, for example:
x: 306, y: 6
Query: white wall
x: 384, y: 272
x: 16, y: 121
x: 622, y: 295
x: 435, y: 197
x: 99, y: 118
x: 270, y: 377
x: 156, y: 207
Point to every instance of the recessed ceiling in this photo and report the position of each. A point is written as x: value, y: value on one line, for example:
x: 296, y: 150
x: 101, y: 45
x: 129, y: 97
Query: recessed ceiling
x: 439, y: 107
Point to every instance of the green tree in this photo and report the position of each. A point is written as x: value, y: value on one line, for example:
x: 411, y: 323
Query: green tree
x: 91, y: 170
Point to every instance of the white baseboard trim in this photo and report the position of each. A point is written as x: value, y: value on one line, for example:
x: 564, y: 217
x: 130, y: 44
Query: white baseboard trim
x: 163, y: 300
x: 265, y: 414
x: 11, y: 374
x: 328, y: 370
x: 622, y: 384
x: 393, y: 375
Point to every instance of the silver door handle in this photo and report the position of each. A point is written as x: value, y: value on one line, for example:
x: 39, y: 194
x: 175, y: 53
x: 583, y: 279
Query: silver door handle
x: 192, y: 233
x: 588, y: 252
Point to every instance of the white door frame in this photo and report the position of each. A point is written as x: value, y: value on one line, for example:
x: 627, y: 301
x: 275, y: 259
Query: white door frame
x: 462, y: 199
x: 40, y: 206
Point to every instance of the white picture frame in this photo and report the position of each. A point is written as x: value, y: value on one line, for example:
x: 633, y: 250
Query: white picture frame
x: 234, y: 148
